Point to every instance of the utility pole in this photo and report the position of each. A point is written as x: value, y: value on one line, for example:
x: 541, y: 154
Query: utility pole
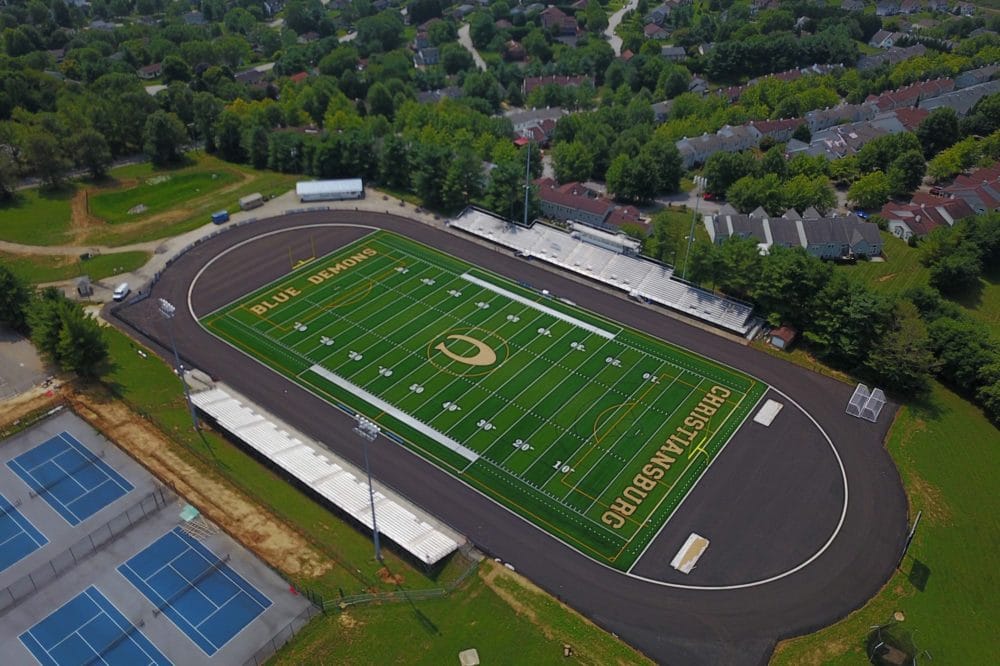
x: 527, y: 183
x: 168, y: 311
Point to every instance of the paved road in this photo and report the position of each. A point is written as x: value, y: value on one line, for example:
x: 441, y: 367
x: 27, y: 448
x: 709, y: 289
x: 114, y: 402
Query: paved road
x: 613, y: 21
x: 677, y: 626
x: 466, y: 41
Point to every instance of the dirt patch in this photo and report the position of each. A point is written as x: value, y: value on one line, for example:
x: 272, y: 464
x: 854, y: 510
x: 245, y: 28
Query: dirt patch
x: 929, y: 499
x: 259, y: 531
x: 25, y: 403
x: 822, y: 654
x: 81, y: 221
x: 347, y: 620
x: 886, y: 278
x: 490, y: 572
x: 387, y: 576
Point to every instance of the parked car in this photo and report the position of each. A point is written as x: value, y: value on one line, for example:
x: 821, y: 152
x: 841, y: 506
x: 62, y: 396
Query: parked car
x: 121, y: 291
x: 862, y: 214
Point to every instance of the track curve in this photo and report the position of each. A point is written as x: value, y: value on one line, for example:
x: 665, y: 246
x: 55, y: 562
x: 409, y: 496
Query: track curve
x: 670, y: 624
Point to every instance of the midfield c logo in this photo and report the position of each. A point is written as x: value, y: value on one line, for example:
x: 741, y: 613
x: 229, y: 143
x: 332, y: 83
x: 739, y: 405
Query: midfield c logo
x: 478, y: 350
x: 484, y: 353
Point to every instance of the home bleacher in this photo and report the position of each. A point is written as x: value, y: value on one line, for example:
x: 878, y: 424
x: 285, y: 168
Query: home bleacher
x: 326, y: 478
x: 587, y: 252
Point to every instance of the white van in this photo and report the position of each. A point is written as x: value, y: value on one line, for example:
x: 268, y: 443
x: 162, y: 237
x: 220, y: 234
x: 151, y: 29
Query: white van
x: 121, y: 291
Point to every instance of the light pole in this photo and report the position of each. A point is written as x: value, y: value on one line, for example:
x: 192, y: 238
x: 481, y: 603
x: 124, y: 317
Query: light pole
x: 369, y: 432
x: 694, y: 218
x: 168, y: 311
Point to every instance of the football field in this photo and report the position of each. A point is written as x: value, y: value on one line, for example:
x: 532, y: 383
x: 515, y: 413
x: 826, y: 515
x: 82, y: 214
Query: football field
x: 591, y: 431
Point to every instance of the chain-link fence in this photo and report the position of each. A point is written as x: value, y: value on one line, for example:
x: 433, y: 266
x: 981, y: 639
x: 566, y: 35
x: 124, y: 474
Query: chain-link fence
x: 286, y: 634
x: 29, y: 584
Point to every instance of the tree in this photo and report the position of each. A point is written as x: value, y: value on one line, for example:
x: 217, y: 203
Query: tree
x: 454, y: 58
x: 164, y: 138
x: 537, y: 46
x: 463, y: 181
x: 847, y: 322
x: 229, y: 136
x: 722, y: 169
x: 379, y: 100
x: 572, y: 161
x: 963, y: 351
x: 45, y: 157
x: 956, y: 272
x: 788, y: 283
x: 907, y: 172
x: 174, y: 68
x: 597, y: 18
x: 747, y: 193
x: 802, y: 192
x: 740, y: 263
x: 15, y: 299
x: 703, y: 264
x: 63, y: 332
x: 901, y: 359
x: 938, y: 131
x: 633, y: 179
x: 669, y: 167
x: 8, y: 175
x: 870, y: 191
x: 92, y: 152
x: 482, y: 29
x: 802, y: 133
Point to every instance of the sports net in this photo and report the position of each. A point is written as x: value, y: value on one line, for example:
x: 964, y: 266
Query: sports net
x: 865, y: 404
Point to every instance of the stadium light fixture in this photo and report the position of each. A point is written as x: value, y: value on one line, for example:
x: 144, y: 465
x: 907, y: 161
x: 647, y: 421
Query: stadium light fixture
x: 168, y: 311
x: 369, y: 432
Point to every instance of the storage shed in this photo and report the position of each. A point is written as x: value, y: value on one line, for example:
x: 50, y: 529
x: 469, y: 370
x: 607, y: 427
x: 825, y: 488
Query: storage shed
x: 783, y: 337
x: 330, y: 190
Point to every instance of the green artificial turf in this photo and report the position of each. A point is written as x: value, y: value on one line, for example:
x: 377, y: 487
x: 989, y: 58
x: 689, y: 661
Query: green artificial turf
x: 592, y: 431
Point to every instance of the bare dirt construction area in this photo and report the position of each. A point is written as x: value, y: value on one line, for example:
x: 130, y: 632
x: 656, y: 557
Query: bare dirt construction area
x: 259, y: 531
x: 81, y: 221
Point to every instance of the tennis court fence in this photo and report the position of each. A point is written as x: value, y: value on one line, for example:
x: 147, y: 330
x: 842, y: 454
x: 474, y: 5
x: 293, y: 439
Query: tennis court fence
x: 29, y: 584
x: 284, y: 635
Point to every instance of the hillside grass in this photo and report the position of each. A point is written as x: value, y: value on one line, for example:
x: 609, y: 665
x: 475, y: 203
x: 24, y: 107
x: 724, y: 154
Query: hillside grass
x: 37, y: 216
x: 157, y: 193
x: 150, y: 386
x: 42, y: 268
x: 900, y: 271
x: 505, y: 619
x: 948, y: 458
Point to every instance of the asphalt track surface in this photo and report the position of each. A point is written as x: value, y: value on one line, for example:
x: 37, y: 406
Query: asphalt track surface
x: 770, y: 500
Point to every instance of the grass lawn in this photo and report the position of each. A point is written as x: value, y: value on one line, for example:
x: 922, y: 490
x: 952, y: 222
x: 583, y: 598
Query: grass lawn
x: 900, y: 270
x: 37, y: 217
x: 504, y: 620
x: 152, y: 389
x: 984, y: 304
x: 41, y: 268
x: 156, y: 194
x: 947, y: 455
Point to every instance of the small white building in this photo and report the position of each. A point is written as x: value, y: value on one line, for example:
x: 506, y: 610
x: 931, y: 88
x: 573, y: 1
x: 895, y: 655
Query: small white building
x: 330, y: 190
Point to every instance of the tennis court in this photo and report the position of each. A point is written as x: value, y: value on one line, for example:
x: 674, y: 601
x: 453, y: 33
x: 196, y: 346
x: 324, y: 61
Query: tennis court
x: 18, y: 537
x: 69, y: 477
x: 196, y: 589
x: 88, y: 629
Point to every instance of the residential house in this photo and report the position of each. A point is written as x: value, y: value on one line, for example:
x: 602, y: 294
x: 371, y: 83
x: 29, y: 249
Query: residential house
x: 821, y: 119
x: 961, y: 101
x: 654, y: 31
x: 980, y: 189
x: 911, y: 95
x: 939, y: 6
x: 884, y: 39
x: 728, y: 139
x: 661, y: 111
x: 779, y: 130
x: 892, y: 56
x: 250, y: 77
x: 57, y: 54
x: 536, y: 125
x: 194, y: 18
x: 698, y: 85
x: 658, y: 16
x: 976, y: 76
x: 435, y: 96
x: 573, y: 202
x: 966, y: 9
x: 513, y: 51
x: 911, y: 6
x: 460, y: 12
x: 308, y: 37
x: 823, y: 237
x: 673, y: 53
x: 532, y: 82
x: 298, y: 77
x: 853, y: 5
x: 150, y: 71
x: 426, y: 57
x: 887, y: 7
x: 554, y: 20
x: 923, y: 214
x: 911, y: 118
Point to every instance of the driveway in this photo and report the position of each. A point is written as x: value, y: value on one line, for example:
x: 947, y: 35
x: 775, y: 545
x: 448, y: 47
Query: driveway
x: 466, y: 41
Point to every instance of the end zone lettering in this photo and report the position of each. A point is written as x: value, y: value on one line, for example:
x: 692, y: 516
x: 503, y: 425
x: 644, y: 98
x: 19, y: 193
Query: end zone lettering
x: 342, y: 265
x: 649, y: 476
x: 282, y: 296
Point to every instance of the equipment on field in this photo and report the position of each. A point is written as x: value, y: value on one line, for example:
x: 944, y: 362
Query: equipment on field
x: 866, y: 405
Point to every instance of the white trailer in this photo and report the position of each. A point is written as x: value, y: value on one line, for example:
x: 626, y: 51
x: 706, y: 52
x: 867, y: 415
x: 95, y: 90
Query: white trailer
x: 330, y: 190
x: 251, y: 201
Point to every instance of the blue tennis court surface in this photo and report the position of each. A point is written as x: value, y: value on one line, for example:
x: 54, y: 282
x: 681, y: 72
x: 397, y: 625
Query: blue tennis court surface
x: 206, y: 599
x: 88, y: 629
x: 67, y: 475
x: 18, y: 537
